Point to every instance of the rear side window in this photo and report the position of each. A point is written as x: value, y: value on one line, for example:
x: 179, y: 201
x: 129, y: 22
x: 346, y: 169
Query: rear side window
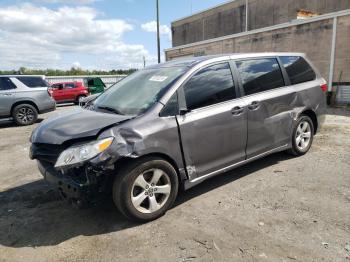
x: 70, y: 85
x: 211, y: 85
x: 298, y: 69
x: 33, y: 81
x: 59, y: 86
x: 260, y: 75
x: 6, y: 84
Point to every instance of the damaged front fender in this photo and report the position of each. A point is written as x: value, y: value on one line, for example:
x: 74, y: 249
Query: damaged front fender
x: 126, y: 143
x: 140, y: 137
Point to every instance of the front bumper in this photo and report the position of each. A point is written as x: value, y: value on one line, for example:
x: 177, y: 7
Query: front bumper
x: 67, y: 187
x: 77, y: 185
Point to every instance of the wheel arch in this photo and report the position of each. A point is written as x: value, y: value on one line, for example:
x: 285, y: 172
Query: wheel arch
x: 76, y: 99
x: 80, y: 95
x: 24, y: 102
x: 126, y: 160
x: 310, y: 113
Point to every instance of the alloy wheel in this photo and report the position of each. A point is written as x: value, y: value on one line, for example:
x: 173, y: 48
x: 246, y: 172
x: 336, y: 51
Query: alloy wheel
x: 25, y: 115
x: 150, y: 191
x: 303, y: 135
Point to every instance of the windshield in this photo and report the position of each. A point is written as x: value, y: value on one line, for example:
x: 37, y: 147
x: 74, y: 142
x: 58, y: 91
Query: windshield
x: 138, y: 92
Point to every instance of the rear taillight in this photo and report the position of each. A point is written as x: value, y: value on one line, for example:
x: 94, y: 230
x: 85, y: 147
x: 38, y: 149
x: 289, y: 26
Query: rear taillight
x: 49, y: 91
x: 324, y: 87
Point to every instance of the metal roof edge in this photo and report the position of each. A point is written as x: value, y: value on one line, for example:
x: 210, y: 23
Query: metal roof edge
x: 83, y: 76
x: 18, y: 75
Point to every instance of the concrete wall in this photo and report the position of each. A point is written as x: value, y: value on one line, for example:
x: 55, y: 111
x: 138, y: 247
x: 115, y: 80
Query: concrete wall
x: 342, y: 51
x: 313, y: 38
x: 229, y: 18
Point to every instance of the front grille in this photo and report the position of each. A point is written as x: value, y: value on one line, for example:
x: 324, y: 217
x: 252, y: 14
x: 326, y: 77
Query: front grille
x: 46, y: 152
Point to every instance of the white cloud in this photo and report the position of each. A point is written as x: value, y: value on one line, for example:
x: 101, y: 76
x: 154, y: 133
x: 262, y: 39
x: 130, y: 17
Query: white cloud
x: 40, y: 37
x: 152, y: 28
x: 76, y: 65
x: 79, y: 2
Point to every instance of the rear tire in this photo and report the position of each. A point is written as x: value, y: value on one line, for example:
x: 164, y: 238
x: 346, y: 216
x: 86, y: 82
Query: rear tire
x: 78, y: 99
x: 303, y: 134
x: 145, y: 189
x: 25, y: 114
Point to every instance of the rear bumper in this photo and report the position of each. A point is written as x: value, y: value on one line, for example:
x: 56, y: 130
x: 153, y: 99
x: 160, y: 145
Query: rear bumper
x: 321, y: 114
x: 320, y: 120
x: 48, y: 107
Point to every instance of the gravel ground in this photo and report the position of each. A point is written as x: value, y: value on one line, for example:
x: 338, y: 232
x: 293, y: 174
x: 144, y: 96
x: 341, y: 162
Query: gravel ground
x: 279, y: 208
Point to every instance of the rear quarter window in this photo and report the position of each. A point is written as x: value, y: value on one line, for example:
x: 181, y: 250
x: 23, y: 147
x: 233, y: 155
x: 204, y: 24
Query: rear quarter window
x: 6, y: 84
x: 298, y: 70
x: 33, y: 82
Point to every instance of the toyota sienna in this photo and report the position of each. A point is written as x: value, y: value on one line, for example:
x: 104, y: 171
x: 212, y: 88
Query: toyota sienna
x: 176, y: 124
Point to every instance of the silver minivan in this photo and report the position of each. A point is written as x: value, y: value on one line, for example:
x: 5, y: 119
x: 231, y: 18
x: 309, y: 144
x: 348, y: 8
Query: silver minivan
x: 176, y: 124
x: 23, y: 97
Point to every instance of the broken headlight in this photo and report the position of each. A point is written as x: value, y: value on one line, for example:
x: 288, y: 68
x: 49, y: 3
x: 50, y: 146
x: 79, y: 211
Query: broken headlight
x: 81, y: 153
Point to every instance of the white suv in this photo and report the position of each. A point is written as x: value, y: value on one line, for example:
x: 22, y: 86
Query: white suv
x: 24, y: 97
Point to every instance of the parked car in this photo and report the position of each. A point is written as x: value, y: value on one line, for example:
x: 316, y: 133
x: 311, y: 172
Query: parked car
x: 68, y: 92
x: 95, y: 85
x: 24, y: 97
x: 84, y: 102
x: 179, y: 123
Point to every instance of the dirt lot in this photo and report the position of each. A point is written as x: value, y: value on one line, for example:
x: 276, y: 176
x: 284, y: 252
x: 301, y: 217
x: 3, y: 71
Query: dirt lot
x: 278, y: 208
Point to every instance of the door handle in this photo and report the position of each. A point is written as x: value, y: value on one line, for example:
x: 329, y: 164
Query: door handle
x: 7, y: 94
x: 254, y: 105
x: 237, y: 110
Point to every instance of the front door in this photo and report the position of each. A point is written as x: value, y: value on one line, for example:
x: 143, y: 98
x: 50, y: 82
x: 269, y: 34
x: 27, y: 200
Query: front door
x: 7, y: 96
x: 213, y: 131
x: 58, y: 92
x: 269, y: 104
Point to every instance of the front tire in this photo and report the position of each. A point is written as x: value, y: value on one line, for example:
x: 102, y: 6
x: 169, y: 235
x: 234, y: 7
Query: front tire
x: 145, y: 189
x: 303, y: 135
x: 25, y: 114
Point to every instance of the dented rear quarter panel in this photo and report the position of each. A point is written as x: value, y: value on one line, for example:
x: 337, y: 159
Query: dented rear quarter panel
x: 309, y: 96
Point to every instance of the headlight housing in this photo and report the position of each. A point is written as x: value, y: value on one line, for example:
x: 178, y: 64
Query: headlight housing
x: 81, y: 153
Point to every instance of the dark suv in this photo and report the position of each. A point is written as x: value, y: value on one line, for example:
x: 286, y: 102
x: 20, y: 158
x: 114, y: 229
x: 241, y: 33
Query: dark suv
x: 176, y: 124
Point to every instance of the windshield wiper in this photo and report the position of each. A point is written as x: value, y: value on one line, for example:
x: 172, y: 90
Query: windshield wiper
x: 110, y: 109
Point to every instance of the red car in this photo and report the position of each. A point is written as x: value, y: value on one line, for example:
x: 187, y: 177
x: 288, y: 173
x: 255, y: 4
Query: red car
x: 68, y: 92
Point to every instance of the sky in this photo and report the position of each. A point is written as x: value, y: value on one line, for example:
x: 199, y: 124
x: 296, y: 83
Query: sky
x: 90, y: 34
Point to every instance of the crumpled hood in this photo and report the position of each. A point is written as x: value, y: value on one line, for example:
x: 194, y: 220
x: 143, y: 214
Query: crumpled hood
x: 72, y: 125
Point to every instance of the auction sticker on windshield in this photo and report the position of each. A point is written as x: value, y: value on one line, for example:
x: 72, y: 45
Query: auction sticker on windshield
x: 158, y: 78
